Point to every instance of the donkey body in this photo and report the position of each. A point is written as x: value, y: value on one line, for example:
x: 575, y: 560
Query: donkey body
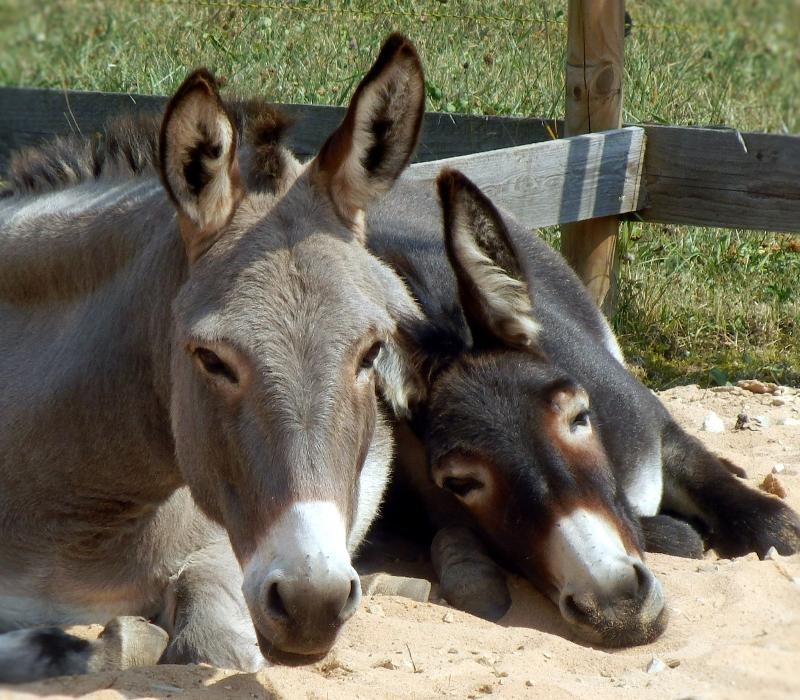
x: 193, y: 340
x: 535, y: 440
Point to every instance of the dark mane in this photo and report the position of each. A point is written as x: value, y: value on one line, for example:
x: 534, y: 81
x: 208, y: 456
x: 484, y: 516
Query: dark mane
x: 128, y: 146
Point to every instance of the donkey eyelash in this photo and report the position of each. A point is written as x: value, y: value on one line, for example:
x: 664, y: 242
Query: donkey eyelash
x: 214, y: 365
x: 369, y: 357
x: 582, y: 419
x: 461, y: 486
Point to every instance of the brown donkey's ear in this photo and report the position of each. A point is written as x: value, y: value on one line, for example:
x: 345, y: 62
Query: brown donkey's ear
x: 362, y: 159
x: 197, y: 151
x: 491, y: 285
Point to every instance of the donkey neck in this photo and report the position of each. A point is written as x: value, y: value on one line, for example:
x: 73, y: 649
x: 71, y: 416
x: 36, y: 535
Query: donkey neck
x: 87, y: 277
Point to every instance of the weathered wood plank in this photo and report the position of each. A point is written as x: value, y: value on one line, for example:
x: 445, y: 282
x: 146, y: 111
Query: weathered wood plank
x: 28, y: 116
x: 721, y: 177
x: 558, y: 181
x: 691, y: 175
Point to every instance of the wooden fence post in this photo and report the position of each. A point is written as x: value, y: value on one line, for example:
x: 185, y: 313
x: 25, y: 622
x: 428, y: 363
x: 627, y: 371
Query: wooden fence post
x: 595, y: 33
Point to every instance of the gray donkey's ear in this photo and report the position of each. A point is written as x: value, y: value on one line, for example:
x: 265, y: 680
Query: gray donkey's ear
x: 362, y: 159
x: 493, y: 291
x: 197, y: 152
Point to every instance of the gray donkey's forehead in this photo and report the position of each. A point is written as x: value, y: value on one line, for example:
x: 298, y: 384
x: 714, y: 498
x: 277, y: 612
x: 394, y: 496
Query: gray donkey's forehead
x: 319, y: 286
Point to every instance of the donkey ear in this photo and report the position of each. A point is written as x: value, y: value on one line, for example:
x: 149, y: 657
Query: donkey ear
x: 197, y: 151
x: 362, y: 159
x: 491, y: 285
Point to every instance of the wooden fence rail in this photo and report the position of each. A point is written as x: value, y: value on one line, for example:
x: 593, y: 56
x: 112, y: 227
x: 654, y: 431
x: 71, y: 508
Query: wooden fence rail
x: 706, y: 177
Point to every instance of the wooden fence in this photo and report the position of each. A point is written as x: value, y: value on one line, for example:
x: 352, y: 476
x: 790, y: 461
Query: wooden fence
x: 682, y: 175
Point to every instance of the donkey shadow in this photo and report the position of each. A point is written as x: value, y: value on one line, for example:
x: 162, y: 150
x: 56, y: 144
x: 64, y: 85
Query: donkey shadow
x: 402, y: 556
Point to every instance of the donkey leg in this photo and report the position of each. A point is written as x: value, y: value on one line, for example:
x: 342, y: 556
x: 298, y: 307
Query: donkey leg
x: 666, y: 535
x: 33, y: 654
x: 207, y: 615
x: 697, y: 484
x: 468, y: 578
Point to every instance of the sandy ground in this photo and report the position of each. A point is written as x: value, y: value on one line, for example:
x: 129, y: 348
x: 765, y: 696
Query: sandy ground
x: 734, y: 630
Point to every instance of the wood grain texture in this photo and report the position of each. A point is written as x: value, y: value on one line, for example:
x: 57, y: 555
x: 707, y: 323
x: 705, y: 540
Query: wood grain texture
x: 721, y: 177
x: 595, y: 33
x: 559, y: 181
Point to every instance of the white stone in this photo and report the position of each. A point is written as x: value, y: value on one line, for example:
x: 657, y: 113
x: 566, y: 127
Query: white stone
x: 656, y: 665
x: 778, y: 468
x: 712, y: 423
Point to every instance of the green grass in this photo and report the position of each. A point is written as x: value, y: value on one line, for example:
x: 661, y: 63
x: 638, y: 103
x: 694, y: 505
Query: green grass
x: 695, y: 304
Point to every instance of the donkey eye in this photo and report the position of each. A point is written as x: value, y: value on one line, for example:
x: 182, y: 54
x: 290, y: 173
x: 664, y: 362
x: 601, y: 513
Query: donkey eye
x: 213, y: 365
x: 581, y: 420
x: 369, y: 357
x: 461, y: 486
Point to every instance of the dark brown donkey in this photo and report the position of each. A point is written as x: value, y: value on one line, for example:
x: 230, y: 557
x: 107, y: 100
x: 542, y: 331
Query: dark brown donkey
x: 192, y: 342
x: 535, y: 440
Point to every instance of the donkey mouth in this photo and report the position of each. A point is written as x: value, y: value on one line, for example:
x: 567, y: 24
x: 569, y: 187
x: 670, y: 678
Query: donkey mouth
x: 620, y: 628
x: 293, y: 654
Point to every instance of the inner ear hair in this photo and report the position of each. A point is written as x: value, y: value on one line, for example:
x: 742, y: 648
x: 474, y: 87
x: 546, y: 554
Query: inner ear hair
x: 361, y: 160
x: 197, y: 152
x: 492, y: 287
x: 399, y: 373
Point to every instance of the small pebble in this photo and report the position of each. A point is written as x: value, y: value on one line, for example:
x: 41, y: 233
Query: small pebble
x: 375, y: 609
x: 742, y: 422
x: 772, y: 554
x: 757, y: 387
x: 448, y: 617
x: 529, y: 684
x: 773, y: 486
x: 712, y: 423
x: 780, y: 401
x: 452, y: 650
x: 778, y: 468
x: 762, y: 421
x: 790, y: 421
x: 656, y: 665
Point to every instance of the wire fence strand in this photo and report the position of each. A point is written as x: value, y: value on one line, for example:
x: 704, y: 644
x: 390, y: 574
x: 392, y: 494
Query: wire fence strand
x: 320, y: 10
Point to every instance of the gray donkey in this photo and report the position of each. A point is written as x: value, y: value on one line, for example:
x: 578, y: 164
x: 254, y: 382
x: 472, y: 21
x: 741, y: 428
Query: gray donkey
x: 535, y: 440
x: 193, y: 341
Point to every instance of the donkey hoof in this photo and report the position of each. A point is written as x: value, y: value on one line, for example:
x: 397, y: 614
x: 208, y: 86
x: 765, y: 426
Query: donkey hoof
x: 130, y: 641
x: 468, y: 578
x: 766, y: 523
x: 666, y: 535
x: 417, y: 589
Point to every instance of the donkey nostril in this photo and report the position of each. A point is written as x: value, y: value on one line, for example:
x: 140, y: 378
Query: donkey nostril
x: 353, y: 599
x: 275, y: 604
x: 576, y: 609
x: 644, y: 580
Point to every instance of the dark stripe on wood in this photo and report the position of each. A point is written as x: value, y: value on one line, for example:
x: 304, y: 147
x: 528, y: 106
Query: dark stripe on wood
x: 691, y: 175
x: 28, y: 116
